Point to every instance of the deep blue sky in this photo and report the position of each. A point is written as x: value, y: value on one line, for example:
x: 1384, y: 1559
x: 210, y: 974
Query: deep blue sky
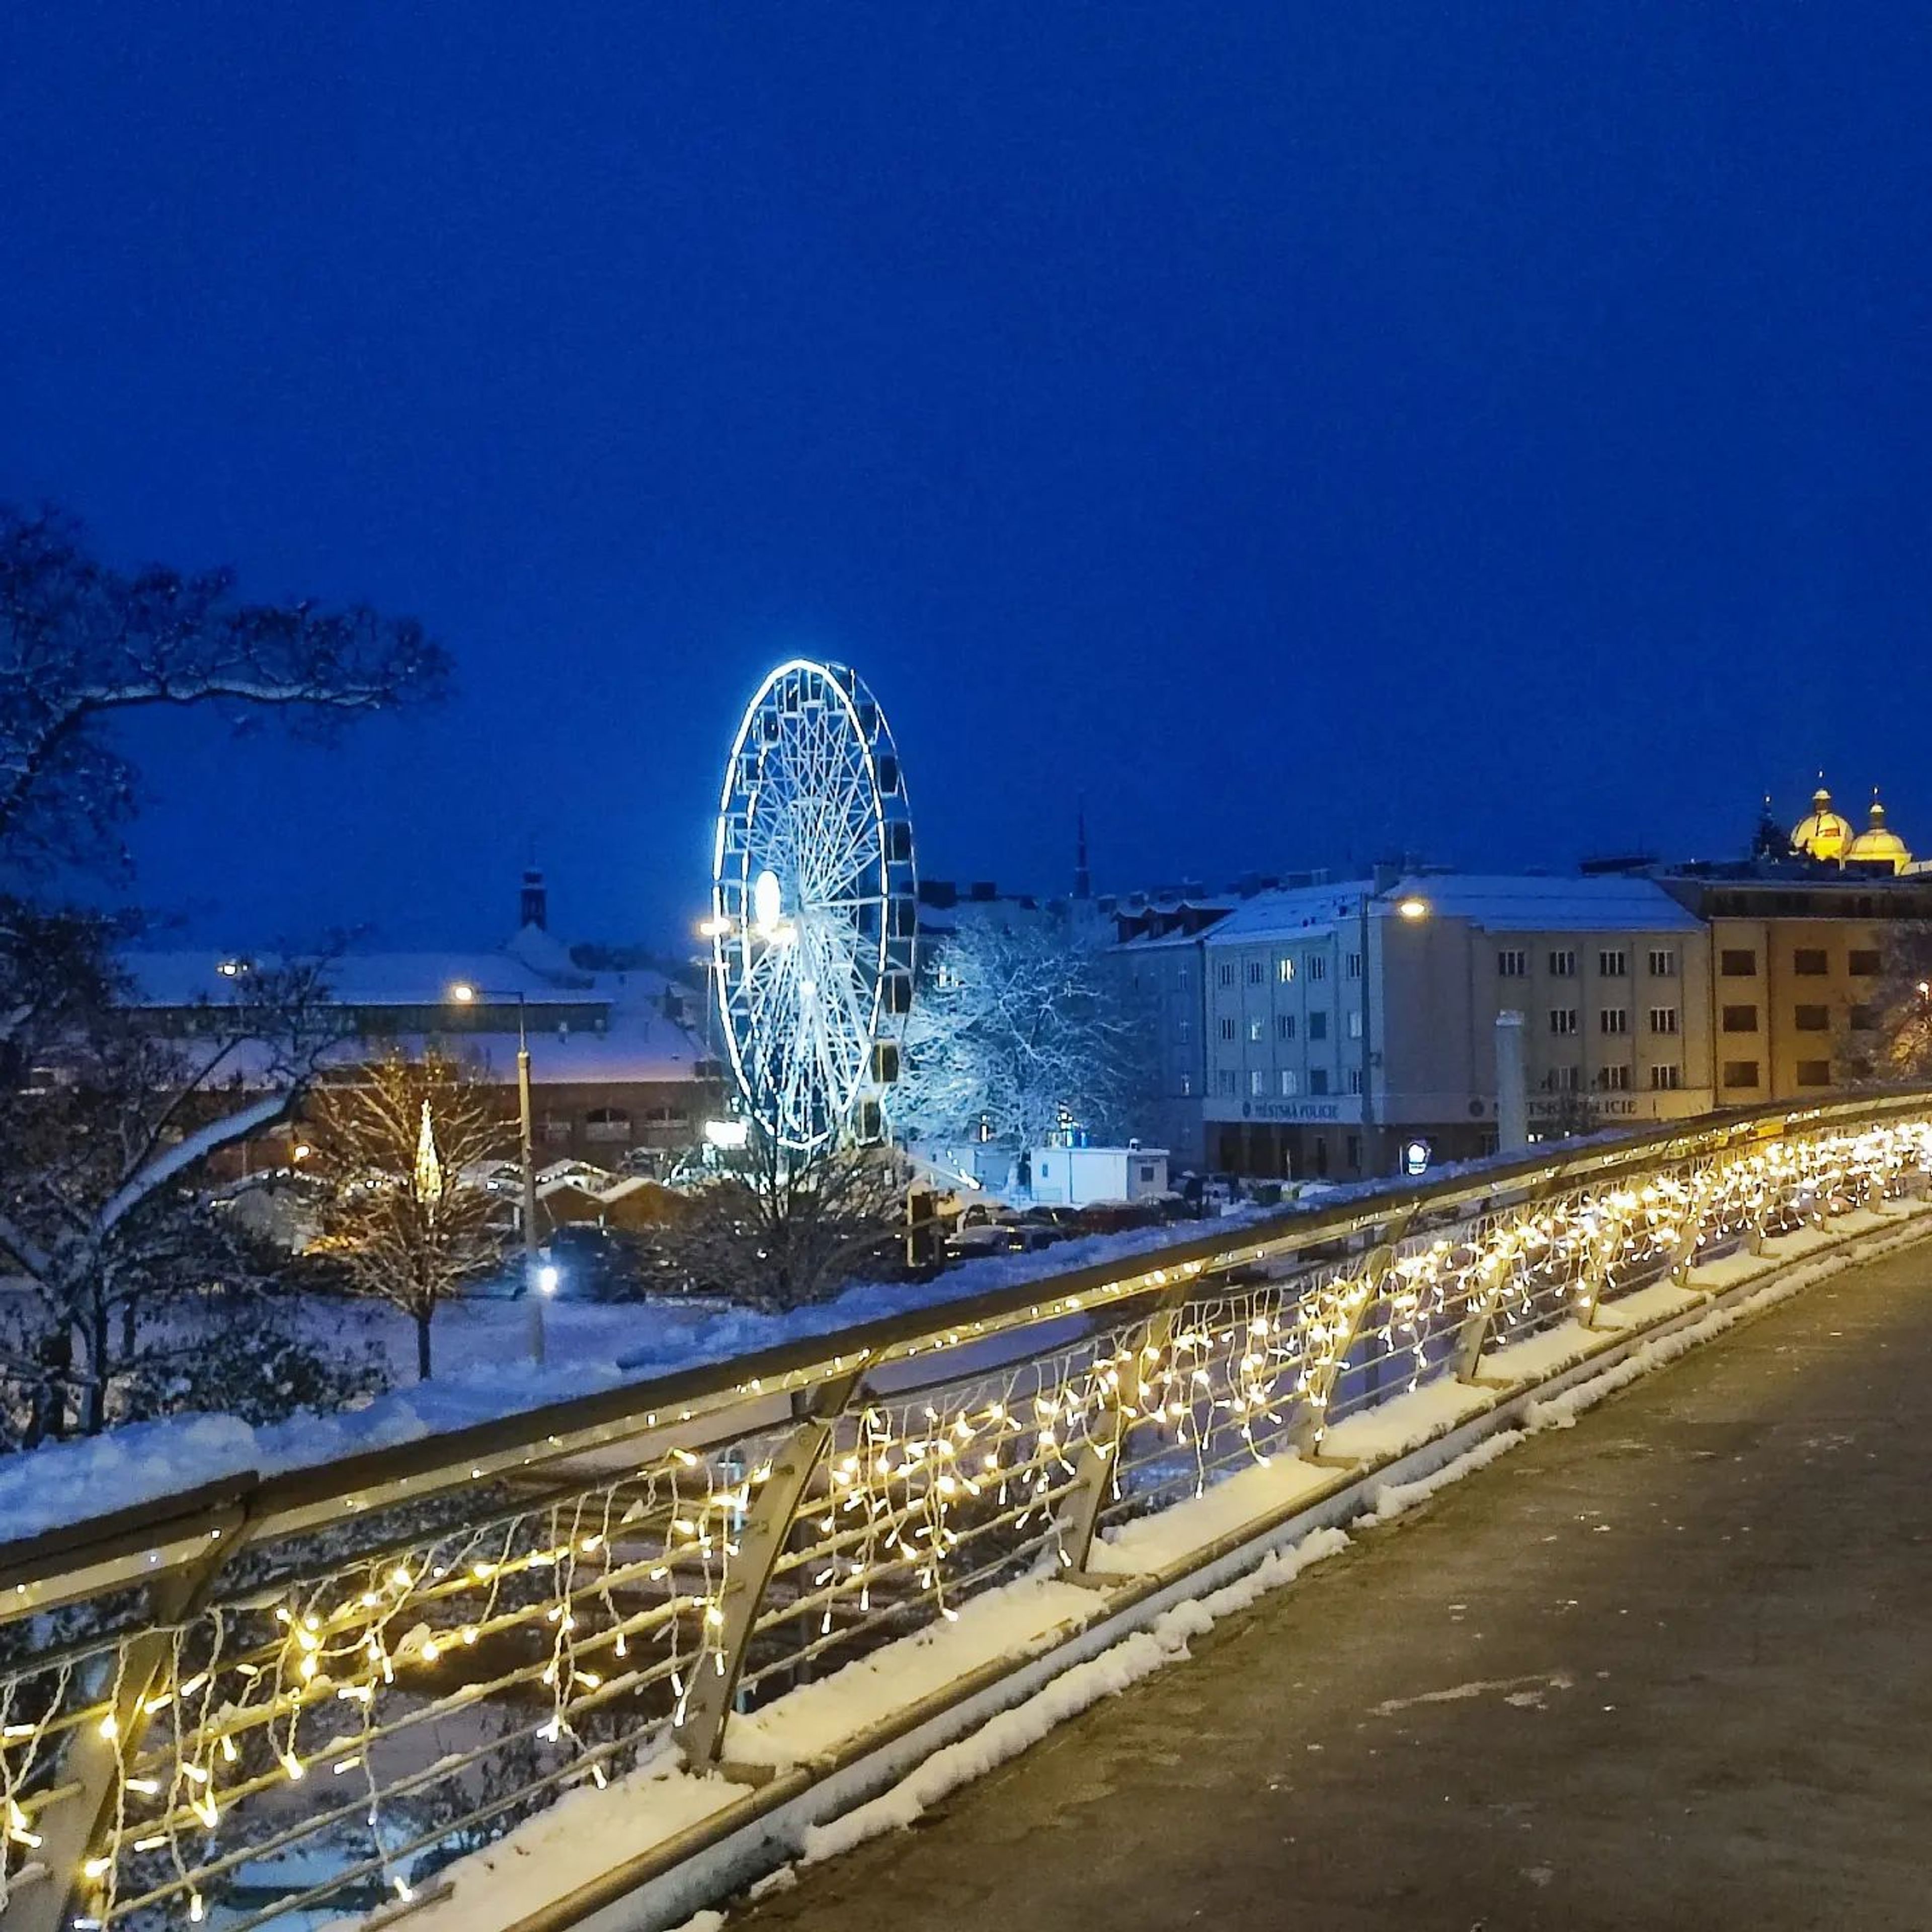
x: 1502, y: 431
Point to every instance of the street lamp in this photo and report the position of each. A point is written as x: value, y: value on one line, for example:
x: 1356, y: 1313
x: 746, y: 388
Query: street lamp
x: 537, y: 1282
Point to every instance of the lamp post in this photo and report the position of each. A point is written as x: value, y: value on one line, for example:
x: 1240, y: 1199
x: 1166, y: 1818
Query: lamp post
x: 537, y: 1282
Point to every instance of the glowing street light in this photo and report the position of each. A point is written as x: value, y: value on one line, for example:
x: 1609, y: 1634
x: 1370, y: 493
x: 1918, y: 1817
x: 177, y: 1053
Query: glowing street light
x: 462, y: 993
x: 1412, y: 907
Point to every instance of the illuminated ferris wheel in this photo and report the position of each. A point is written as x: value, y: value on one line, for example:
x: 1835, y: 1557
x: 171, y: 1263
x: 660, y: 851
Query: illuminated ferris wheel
x: 814, y: 907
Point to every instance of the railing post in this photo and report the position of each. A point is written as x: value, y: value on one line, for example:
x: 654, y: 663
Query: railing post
x: 1080, y: 1507
x: 700, y: 1732
x: 1305, y: 1433
x: 73, y: 1828
x: 1693, y: 1229
x: 1475, y: 1332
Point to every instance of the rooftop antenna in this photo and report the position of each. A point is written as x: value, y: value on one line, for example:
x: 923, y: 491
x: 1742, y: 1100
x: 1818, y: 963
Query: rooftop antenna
x: 1083, y: 879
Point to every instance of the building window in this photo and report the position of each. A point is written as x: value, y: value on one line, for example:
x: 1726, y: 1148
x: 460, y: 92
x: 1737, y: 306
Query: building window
x: 1284, y: 969
x: 1864, y: 1019
x: 1291, y: 1083
x: 1224, y: 1082
x: 1228, y: 1026
x: 1512, y: 964
x: 1354, y: 1080
x: 1257, y: 1083
x: 1738, y: 963
x: 1613, y: 1079
x: 1317, y: 1080
x: 1563, y: 1019
x: 1740, y: 1073
x: 1254, y: 972
x: 1224, y: 972
x: 1864, y: 964
x: 1318, y: 966
x: 1560, y: 1080
x: 1814, y: 1073
x: 1663, y: 1019
x: 1812, y: 1019
x: 1355, y: 1024
x: 1318, y: 1026
x: 1563, y: 965
x: 1187, y: 1086
x: 607, y: 1123
x: 1613, y: 965
x: 1740, y: 1019
x: 1284, y: 1026
x: 1613, y: 1019
x: 1354, y: 1144
x: 1354, y: 965
x: 1663, y: 963
x: 1257, y: 1030
x: 1666, y: 1079
x: 1184, y: 976
x: 556, y: 1129
x: 1811, y: 961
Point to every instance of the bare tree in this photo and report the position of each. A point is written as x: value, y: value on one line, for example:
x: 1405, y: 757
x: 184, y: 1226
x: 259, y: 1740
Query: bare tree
x: 396, y: 1145
x: 105, y: 1133
x: 1016, y: 1030
x: 778, y: 1231
x: 80, y: 642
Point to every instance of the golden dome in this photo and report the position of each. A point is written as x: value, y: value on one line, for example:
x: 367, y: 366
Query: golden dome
x: 1878, y: 844
x: 1824, y: 834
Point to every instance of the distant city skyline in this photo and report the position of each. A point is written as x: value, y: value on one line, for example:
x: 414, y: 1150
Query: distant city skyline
x: 1307, y: 435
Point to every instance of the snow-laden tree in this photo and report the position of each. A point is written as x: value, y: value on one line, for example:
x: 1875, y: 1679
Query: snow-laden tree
x: 398, y: 1145
x: 105, y: 1130
x: 81, y: 643
x: 1017, y: 1030
x: 1895, y: 1042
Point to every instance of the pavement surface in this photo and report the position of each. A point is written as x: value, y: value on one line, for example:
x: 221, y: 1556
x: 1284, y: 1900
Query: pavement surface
x: 1670, y: 1668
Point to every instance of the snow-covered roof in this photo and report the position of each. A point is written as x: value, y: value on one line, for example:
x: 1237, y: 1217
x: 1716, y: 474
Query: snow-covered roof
x: 1496, y: 902
x: 1292, y: 912
x: 182, y: 979
x: 617, y: 1032
x: 1534, y: 903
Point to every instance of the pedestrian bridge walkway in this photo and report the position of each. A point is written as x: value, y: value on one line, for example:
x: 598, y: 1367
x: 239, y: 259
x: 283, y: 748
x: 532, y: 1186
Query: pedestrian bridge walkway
x: 1667, y: 1668
x: 607, y: 1663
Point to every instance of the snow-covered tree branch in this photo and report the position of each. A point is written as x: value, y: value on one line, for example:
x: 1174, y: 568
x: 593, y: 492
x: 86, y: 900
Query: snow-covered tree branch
x: 105, y: 1129
x: 1015, y: 1029
x: 80, y: 641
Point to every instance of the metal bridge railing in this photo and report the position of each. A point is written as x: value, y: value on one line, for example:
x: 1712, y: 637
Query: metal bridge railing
x: 275, y: 1701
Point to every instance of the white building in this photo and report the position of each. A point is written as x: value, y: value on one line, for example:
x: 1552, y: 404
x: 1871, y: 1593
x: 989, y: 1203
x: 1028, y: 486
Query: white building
x: 1078, y: 1177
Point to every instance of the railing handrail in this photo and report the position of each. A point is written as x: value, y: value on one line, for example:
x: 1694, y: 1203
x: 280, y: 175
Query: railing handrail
x: 715, y: 1391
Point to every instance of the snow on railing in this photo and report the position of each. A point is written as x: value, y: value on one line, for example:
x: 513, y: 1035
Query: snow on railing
x: 309, y: 1695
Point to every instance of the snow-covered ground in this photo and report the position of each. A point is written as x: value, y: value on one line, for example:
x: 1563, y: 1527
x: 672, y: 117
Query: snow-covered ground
x: 484, y: 1371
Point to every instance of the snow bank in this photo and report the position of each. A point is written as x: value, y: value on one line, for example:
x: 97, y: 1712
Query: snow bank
x: 1073, y: 1691
x: 68, y: 1482
x: 585, y: 1834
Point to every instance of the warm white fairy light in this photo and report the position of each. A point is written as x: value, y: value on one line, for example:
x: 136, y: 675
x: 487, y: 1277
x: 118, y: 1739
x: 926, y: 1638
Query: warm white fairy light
x: 920, y: 1501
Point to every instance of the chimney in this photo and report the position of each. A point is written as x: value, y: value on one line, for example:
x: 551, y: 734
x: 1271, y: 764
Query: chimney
x: 536, y: 901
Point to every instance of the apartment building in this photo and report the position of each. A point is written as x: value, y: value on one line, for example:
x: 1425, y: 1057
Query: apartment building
x: 1337, y: 1022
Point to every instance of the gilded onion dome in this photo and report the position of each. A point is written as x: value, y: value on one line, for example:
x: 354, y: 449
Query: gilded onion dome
x: 1878, y: 844
x: 1824, y: 834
